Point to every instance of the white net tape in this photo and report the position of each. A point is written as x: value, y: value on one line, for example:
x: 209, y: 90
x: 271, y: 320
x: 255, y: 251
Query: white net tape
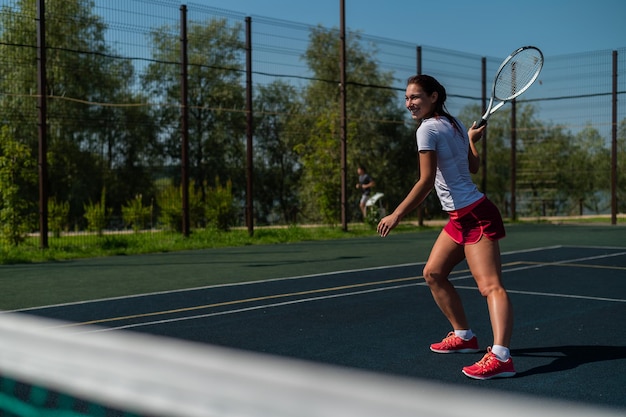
x: 166, y: 377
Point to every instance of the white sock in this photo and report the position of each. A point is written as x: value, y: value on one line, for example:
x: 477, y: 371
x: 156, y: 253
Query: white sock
x: 464, y: 334
x: 501, y: 352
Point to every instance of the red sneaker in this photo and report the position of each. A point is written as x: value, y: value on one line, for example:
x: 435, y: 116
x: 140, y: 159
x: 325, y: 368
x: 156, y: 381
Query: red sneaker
x: 490, y: 367
x: 454, y: 344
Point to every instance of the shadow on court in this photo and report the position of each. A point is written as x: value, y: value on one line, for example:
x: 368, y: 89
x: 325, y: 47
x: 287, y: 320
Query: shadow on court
x: 564, y: 358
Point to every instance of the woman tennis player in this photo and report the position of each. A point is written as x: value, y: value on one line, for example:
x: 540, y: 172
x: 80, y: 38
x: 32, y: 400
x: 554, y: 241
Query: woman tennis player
x: 447, y: 156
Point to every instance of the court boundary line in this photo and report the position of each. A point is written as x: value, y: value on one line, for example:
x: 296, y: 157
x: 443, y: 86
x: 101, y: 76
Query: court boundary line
x: 233, y: 284
x: 246, y: 309
x: 343, y: 294
x: 565, y: 262
x: 320, y: 298
x: 553, y: 295
x: 298, y: 277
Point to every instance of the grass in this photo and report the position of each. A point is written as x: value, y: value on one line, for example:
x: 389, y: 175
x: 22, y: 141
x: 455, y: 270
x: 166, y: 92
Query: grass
x: 119, y: 244
x: 588, y: 219
x: 77, y: 246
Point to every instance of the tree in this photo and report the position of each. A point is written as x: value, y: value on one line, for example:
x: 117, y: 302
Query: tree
x: 216, y: 98
x: 321, y: 183
x: 85, y: 140
x: 589, y: 171
x: 377, y: 135
x: 277, y: 167
x: 16, y: 172
x: 131, y: 152
x: 558, y: 172
x: 540, y: 147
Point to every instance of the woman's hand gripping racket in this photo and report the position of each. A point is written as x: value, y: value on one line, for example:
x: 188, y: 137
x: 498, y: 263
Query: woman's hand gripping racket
x: 515, y: 75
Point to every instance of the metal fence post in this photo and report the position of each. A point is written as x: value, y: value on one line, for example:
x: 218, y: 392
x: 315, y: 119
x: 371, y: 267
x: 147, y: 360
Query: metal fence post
x: 43, y: 140
x: 614, y: 143
x: 249, y: 130
x: 344, y: 121
x: 184, y: 120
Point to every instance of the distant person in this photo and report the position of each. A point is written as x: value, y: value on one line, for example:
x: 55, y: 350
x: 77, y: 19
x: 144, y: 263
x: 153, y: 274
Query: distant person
x: 365, y: 184
x: 447, y: 156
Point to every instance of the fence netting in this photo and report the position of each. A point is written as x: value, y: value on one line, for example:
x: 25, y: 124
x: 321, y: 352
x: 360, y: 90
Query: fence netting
x: 114, y: 121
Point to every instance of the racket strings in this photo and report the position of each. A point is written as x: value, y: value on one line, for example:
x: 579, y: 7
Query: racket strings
x: 517, y: 74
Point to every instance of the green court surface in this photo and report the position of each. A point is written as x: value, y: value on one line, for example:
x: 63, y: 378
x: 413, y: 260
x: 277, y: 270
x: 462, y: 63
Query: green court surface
x: 33, y: 285
x: 362, y: 304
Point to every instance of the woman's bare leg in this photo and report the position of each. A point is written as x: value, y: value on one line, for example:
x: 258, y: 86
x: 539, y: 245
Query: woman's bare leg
x: 485, y: 264
x: 444, y: 256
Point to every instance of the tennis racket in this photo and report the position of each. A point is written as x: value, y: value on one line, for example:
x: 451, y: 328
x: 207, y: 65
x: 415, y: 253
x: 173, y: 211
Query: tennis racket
x: 515, y: 75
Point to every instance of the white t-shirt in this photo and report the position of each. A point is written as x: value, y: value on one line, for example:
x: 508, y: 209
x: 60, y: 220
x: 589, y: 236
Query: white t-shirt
x: 453, y: 182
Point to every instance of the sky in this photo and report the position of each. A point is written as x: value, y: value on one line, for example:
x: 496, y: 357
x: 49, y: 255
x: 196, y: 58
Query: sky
x: 491, y: 28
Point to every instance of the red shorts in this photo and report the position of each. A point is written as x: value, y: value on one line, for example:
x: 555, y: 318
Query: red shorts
x: 469, y: 224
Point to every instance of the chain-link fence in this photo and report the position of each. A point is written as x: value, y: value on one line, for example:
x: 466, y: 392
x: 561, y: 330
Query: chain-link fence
x: 115, y: 126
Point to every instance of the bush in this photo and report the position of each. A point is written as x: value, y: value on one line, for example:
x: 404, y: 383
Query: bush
x: 97, y: 215
x: 16, y: 175
x: 57, y: 216
x: 374, y: 214
x: 135, y: 214
x: 217, y: 211
x: 220, y: 210
x: 170, y: 201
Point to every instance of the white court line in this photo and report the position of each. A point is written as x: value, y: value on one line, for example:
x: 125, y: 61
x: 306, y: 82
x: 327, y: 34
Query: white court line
x: 394, y: 287
x: 236, y: 284
x: 520, y: 268
x: 545, y: 264
x: 555, y: 295
x: 259, y: 307
x: 545, y: 294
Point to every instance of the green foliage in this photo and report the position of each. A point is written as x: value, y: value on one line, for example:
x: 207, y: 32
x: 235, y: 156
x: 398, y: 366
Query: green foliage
x: 216, y: 211
x: 557, y: 171
x: 377, y: 137
x: 135, y: 214
x: 296, y: 140
x: 58, y: 213
x: 16, y: 174
x: 170, y: 201
x: 373, y: 216
x: 76, y: 246
x: 215, y: 87
x: 97, y: 215
x: 277, y: 168
x: 220, y: 210
x: 320, y: 159
x: 88, y: 146
x: 621, y: 171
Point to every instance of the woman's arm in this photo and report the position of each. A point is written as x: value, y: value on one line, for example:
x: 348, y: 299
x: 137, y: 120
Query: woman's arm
x: 473, y: 155
x: 421, y: 189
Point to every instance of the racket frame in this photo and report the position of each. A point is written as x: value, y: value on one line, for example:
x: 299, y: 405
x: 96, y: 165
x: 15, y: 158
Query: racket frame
x: 491, y: 109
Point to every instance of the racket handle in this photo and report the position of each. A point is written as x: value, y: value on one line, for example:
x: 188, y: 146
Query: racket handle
x: 481, y: 123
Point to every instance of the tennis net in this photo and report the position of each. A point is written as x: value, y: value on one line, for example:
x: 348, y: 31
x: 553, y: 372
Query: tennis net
x: 47, y: 369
